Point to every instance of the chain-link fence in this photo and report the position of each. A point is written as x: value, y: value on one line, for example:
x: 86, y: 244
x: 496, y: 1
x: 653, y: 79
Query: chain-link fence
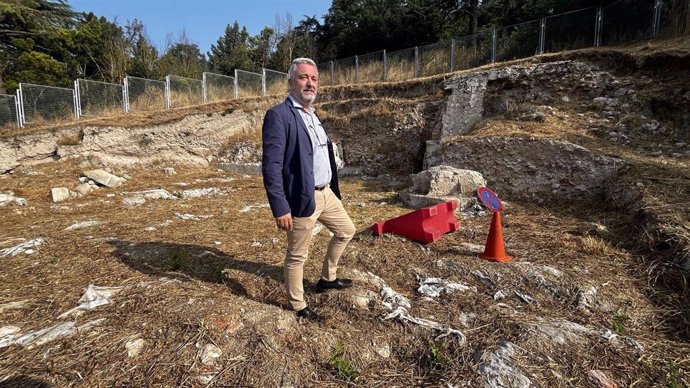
x: 326, y: 73
x: 400, y: 65
x: 518, y: 41
x: 622, y: 21
x: 673, y: 18
x: 248, y: 84
x: 370, y: 67
x: 183, y: 91
x: 218, y: 87
x: 571, y: 30
x: 435, y: 58
x: 42, y: 104
x: 144, y: 94
x: 275, y: 82
x: 97, y: 98
x: 344, y: 71
x: 9, y: 117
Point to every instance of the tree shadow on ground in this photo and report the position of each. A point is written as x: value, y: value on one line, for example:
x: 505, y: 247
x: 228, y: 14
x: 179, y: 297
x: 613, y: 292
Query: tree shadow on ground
x: 25, y: 382
x: 188, y: 261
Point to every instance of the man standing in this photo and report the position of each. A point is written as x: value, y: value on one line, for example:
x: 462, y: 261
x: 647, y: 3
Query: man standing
x: 300, y: 177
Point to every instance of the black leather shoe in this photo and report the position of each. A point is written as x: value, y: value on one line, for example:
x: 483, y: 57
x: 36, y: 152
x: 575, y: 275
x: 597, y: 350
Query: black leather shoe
x: 309, y: 314
x: 337, y: 284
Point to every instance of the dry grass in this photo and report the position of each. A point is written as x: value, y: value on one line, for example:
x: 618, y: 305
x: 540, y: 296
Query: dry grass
x: 226, y: 289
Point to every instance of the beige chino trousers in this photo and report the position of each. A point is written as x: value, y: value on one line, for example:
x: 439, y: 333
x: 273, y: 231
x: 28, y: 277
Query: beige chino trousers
x: 331, y: 213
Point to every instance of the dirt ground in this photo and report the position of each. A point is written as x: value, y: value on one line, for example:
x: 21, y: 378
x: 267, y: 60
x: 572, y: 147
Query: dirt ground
x: 218, y: 280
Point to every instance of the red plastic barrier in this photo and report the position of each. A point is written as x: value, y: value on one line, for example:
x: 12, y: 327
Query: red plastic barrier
x: 423, y: 225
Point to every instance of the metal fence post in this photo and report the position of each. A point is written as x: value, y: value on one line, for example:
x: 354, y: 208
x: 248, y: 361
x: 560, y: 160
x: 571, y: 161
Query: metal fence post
x: 76, y: 97
x: 236, y: 86
x: 263, y: 81
x: 656, y: 18
x: 20, y: 95
x: 332, y: 73
x: 356, y: 69
x: 204, y: 91
x: 125, y: 95
x: 542, y: 35
x: 597, y: 27
x: 493, y: 45
x: 452, y: 55
x: 416, y: 61
x: 167, y: 92
x: 385, y: 66
x: 18, y: 107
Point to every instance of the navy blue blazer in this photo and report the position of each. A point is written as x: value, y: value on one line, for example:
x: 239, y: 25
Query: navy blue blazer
x: 287, y: 163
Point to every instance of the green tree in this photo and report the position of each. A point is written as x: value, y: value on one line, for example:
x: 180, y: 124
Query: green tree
x: 143, y: 55
x: 232, y: 51
x: 183, y: 59
x: 28, y: 28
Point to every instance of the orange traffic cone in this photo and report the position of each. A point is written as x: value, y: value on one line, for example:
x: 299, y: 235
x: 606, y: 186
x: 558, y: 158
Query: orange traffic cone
x: 495, y: 250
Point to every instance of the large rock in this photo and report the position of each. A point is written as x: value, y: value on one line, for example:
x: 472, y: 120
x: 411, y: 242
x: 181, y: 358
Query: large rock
x: 104, y: 178
x: 441, y: 184
x: 59, y: 194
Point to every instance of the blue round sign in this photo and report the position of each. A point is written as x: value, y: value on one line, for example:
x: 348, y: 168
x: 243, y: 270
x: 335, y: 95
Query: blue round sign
x: 490, y: 199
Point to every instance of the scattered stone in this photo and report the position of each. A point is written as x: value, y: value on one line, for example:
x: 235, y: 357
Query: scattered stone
x: 169, y: 171
x: 104, y: 178
x: 250, y: 207
x: 210, y: 353
x: 383, y: 350
x: 59, y: 194
x: 12, y: 306
x: 365, y: 301
x: 134, y: 347
x: 497, y: 368
x: 24, y: 247
x: 441, y: 184
x: 8, y: 198
x: 81, y: 225
x: 184, y: 216
x: 83, y: 189
x: 600, y: 379
x: 133, y: 201
x: 150, y: 229
x: 317, y: 228
x: 195, y: 193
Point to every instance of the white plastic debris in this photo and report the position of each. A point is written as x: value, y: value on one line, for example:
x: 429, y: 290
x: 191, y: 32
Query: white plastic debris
x: 398, y: 307
x: 433, y: 287
x: 525, y: 298
x: 81, y: 225
x: 483, y: 278
x: 184, y: 216
x: 93, y: 297
x: 24, y: 247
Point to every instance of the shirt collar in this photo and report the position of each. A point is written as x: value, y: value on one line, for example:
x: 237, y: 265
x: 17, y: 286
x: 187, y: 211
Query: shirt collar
x: 296, y: 104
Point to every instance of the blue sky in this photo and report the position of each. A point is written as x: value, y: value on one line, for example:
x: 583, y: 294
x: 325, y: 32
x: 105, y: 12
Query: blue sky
x: 203, y: 21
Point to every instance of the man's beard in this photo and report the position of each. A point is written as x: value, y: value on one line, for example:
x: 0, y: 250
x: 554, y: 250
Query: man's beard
x: 302, y: 98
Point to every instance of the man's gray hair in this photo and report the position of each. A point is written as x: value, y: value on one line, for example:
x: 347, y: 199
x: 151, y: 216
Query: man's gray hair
x: 299, y: 61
